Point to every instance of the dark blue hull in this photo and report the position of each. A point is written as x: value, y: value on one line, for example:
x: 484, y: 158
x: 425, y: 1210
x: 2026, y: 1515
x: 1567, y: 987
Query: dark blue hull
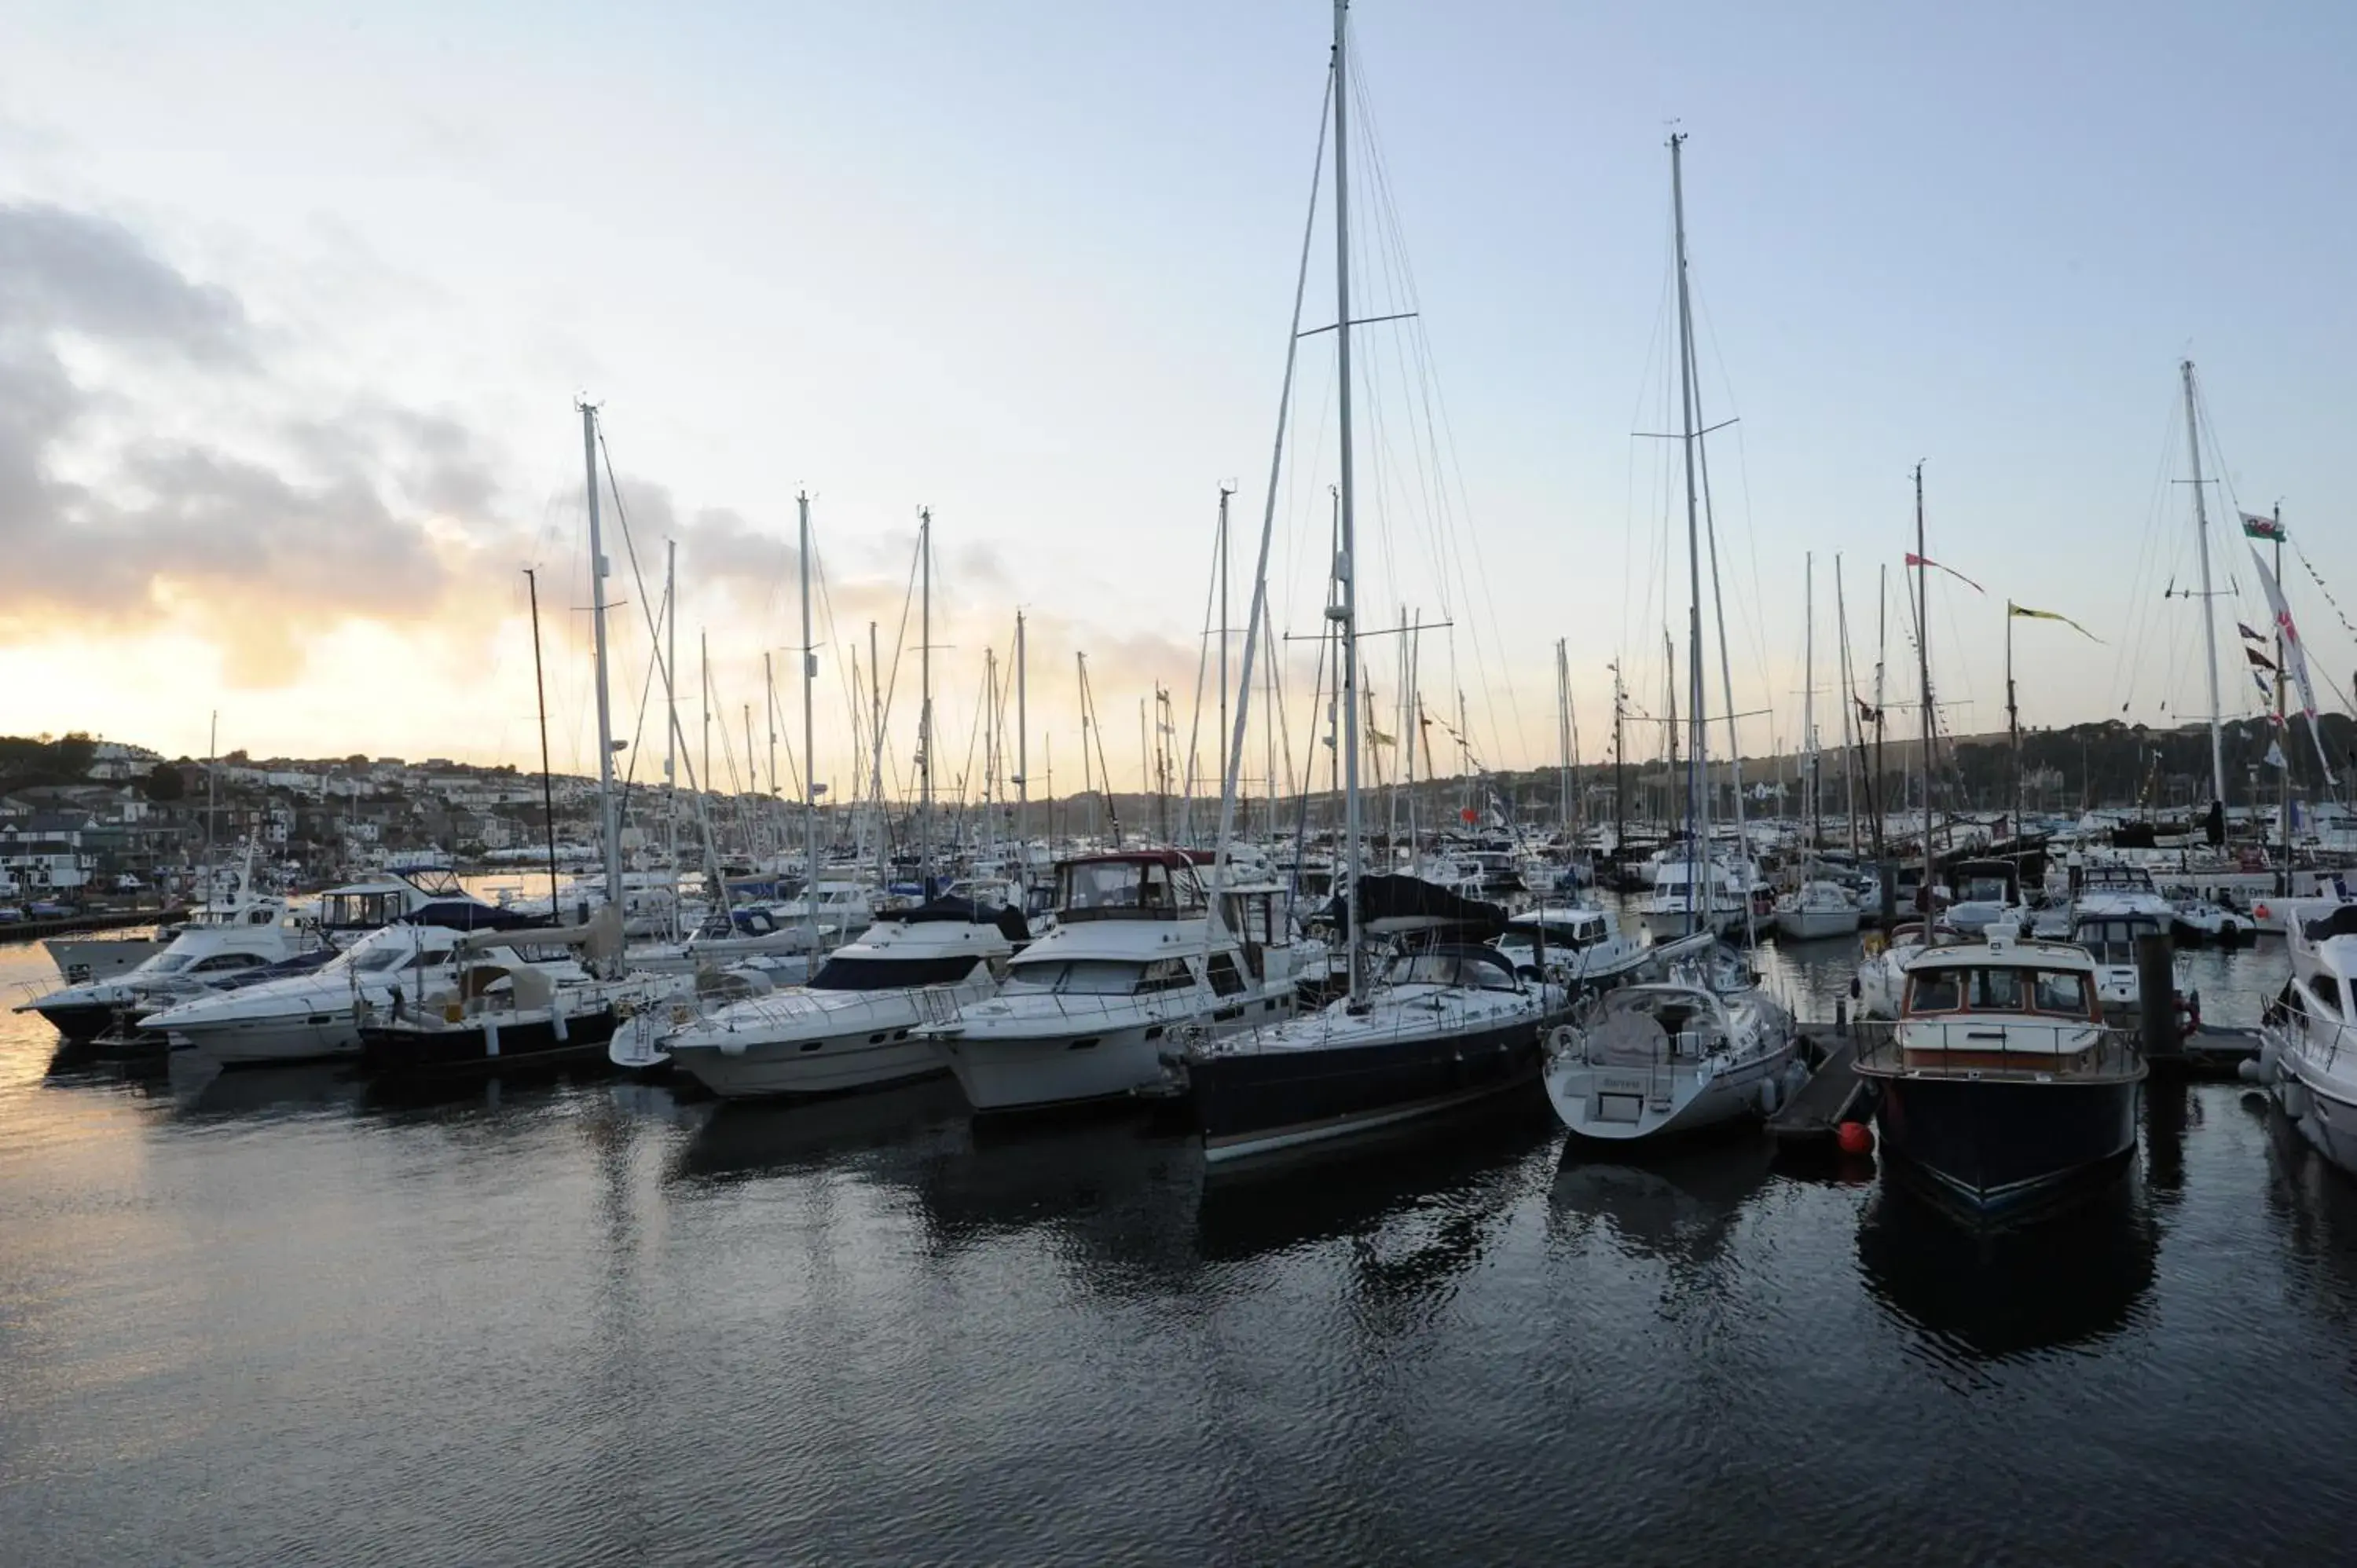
x: 480, y: 1048
x: 1999, y: 1144
x: 1251, y: 1104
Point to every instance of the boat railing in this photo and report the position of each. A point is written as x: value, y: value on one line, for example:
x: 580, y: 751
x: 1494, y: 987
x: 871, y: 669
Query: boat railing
x: 2008, y: 1047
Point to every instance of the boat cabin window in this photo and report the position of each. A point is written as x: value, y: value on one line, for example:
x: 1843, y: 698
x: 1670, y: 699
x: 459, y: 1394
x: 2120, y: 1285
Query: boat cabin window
x: 2113, y: 941
x: 1166, y: 974
x: 1997, y: 989
x: 1130, y: 888
x: 261, y: 916
x: 1569, y: 937
x: 357, y: 910
x: 1251, y: 916
x: 2328, y: 996
x: 1465, y: 967
x: 1983, y: 890
x: 221, y: 962
x: 1077, y: 977
x: 850, y: 973
x: 1226, y: 978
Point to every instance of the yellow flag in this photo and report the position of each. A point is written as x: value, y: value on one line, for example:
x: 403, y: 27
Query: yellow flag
x: 2049, y: 615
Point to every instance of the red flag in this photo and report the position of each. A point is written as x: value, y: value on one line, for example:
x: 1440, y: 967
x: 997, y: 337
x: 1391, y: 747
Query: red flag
x: 1915, y: 560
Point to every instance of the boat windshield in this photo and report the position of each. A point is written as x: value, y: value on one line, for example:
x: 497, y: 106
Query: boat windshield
x: 1452, y: 966
x: 365, y: 959
x: 843, y: 974
x: 1077, y: 977
x: 2113, y: 941
x: 1524, y: 938
x: 1117, y: 888
x: 168, y: 963
x: 1985, y: 890
x: 1997, y: 989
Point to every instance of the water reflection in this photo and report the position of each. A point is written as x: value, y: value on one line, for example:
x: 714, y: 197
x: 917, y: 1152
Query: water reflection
x: 1676, y: 1204
x: 1359, y: 1191
x: 2073, y: 1277
x: 201, y: 1090
x: 743, y: 1139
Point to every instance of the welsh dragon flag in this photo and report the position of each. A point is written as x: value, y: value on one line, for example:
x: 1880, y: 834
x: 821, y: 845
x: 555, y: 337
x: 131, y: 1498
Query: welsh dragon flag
x: 2257, y: 527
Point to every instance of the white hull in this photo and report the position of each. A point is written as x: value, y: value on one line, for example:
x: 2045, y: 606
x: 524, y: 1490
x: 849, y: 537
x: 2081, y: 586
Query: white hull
x: 1624, y: 1104
x: 1668, y: 925
x: 2325, y: 1121
x: 1021, y: 1073
x: 827, y: 1066
x: 243, y: 1043
x: 84, y: 959
x: 1812, y: 925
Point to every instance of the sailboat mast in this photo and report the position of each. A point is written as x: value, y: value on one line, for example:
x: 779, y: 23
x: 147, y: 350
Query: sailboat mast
x: 1563, y: 730
x: 671, y: 726
x: 2209, y: 618
x: 1849, y: 709
x: 1697, y: 762
x: 547, y: 779
x: 1022, y: 758
x: 876, y: 754
x: 810, y: 729
x: 609, y: 827
x: 1345, y: 568
x: 2012, y: 727
x: 1923, y: 672
x: 1809, y: 692
x: 925, y: 703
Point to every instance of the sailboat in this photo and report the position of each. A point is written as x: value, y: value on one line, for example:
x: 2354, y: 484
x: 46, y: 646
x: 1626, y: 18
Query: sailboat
x: 495, y: 1014
x: 1705, y: 1046
x: 1446, y: 1019
x: 1818, y: 908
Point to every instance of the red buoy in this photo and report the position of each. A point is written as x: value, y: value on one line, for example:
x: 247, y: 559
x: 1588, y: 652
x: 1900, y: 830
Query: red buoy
x: 1856, y: 1138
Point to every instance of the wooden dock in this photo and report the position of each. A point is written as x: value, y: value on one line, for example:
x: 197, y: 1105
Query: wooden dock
x: 1833, y: 1094
x: 77, y: 925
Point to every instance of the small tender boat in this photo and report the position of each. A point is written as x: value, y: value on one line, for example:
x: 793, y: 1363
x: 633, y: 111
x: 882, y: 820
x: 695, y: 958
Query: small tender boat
x: 1999, y: 1078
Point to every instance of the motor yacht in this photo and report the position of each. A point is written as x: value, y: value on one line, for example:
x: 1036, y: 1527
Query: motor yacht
x: 1136, y: 957
x: 1704, y: 1046
x: 856, y: 1024
x: 1999, y: 1078
x: 2308, y: 1041
x: 316, y: 1014
x: 201, y: 958
x: 505, y: 1006
x: 1580, y: 947
x: 1674, y: 908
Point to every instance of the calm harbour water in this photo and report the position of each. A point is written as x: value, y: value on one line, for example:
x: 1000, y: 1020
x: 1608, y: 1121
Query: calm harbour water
x: 262, y: 1318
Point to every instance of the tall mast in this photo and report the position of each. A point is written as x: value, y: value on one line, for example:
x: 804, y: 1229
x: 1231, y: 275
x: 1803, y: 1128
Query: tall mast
x: 1563, y: 729
x: 1088, y: 780
x: 810, y: 729
x: 1344, y: 567
x: 671, y: 726
x: 1620, y: 760
x: 547, y: 779
x: 2013, y: 728
x: 610, y: 825
x: 1881, y: 664
x: 1022, y: 759
x: 1699, y: 761
x: 1923, y: 672
x: 1849, y: 709
x: 769, y: 823
x: 2209, y: 618
x: 925, y: 704
x: 1809, y: 692
x: 2283, y: 733
x: 704, y: 649
x: 1225, y: 491
x: 875, y: 755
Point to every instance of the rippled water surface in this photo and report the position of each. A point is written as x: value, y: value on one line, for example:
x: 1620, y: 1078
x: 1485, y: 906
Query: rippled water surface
x: 263, y: 1317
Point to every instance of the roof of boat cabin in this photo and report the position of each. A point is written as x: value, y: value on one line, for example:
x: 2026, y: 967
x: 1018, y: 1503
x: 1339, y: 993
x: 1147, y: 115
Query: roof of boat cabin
x: 1174, y: 858
x: 2002, y: 954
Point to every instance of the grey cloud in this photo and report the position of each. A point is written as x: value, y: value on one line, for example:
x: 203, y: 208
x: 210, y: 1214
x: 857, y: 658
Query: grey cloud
x: 260, y: 553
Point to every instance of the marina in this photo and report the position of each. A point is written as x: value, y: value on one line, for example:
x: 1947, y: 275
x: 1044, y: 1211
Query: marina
x: 1873, y: 1097
x: 625, y: 1302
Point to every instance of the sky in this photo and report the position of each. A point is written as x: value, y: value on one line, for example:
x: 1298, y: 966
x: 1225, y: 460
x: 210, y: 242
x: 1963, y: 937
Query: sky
x: 296, y: 302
